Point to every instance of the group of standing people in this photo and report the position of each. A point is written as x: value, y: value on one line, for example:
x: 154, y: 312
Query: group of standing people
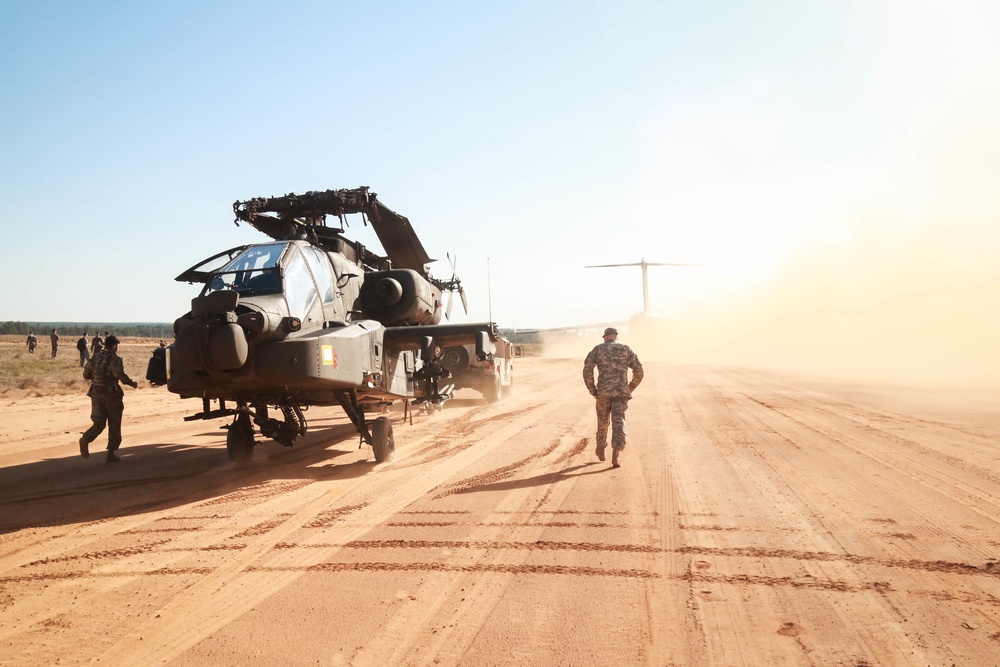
x: 82, y: 345
x: 33, y: 342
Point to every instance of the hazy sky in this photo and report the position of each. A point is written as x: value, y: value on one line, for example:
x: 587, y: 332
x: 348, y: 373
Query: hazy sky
x: 833, y: 164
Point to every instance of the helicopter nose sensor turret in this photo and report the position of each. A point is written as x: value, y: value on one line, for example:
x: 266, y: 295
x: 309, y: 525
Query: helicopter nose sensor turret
x: 210, y: 339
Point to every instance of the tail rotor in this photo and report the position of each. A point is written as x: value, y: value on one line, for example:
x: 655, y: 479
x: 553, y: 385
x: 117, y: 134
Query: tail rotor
x: 454, y: 285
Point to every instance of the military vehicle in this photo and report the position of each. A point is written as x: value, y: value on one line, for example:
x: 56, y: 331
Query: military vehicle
x: 313, y: 318
x: 493, y: 376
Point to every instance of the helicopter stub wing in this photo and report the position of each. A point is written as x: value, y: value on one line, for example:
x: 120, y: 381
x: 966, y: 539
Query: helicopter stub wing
x: 444, y: 335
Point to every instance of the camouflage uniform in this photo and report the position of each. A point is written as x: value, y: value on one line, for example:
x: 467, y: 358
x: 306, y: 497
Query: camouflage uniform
x: 54, y: 337
x: 104, y: 371
x: 613, y: 390
x: 32, y: 342
x: 96, y: 343
x: 82, y: 346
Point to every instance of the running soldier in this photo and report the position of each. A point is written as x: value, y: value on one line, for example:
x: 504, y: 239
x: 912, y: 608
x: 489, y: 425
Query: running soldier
x: 106, y: 397
x: 612, y: 391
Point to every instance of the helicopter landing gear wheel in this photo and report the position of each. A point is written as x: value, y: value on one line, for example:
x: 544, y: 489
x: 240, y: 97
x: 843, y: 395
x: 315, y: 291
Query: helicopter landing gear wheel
x: 239, y: 439
x: 382, y: 442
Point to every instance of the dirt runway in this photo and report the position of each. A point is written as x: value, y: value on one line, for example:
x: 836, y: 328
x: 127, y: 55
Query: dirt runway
x: 758, y: 519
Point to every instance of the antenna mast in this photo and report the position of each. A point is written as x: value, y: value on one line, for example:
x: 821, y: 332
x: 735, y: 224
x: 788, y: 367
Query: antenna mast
x: 489, y: 289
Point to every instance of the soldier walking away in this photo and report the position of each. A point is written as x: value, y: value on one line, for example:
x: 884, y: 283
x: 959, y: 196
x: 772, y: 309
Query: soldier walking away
x: 55, y: 343
x: 32, y: 342
x: 96, y: 343
x: 84, y: 347
x: 106, y: 397
x: 612, y: 390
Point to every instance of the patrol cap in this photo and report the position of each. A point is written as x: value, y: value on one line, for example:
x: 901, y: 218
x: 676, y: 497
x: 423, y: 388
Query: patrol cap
x: 111, y: 341
x: 611, y: 331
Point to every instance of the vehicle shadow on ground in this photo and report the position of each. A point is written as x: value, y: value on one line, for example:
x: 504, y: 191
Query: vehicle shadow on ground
x: 157, y: 476
x: 542, y: 479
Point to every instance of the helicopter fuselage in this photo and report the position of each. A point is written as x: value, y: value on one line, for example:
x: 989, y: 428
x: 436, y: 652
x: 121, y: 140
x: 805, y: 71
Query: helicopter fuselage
x: 312, y: 318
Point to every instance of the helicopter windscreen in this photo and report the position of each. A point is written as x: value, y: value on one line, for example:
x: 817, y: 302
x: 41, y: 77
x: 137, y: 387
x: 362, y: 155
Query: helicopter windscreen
x: 254, y: 271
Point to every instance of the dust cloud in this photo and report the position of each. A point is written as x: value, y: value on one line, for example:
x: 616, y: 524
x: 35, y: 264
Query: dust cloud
x: 909, y: 291
x: 851, y: 313
x: 889, y: 328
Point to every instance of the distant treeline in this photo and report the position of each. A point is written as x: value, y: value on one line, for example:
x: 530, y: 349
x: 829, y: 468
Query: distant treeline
x: 137, y: 329
x: 164, y: 329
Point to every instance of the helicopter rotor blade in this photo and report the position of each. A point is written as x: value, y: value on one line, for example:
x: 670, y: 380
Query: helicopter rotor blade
x: 465, y: 302
x: 447, y: 311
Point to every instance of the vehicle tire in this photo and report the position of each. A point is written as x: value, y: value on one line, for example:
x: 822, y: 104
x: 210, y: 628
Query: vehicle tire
x: 508, y: 389
x: 492, y: 389
x: 382, y: 442
x: 455, y: 359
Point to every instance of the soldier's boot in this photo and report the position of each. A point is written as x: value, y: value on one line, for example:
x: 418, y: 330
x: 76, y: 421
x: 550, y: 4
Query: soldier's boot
x: 614, y: 458
x: 112, y: 457
x: 84, y: 450
x: 600, y: 452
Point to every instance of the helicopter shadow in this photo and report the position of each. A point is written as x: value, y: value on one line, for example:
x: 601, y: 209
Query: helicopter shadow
x: 159, y: 476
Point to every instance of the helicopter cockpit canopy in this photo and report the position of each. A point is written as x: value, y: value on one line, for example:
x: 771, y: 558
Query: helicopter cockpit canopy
x: 299, y: 271
x: 254, y: 271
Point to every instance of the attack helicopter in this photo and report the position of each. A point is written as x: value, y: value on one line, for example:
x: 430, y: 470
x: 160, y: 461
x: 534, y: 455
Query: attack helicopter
x: 311, y: 318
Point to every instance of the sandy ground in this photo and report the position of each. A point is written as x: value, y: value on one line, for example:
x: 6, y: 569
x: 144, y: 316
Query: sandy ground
x: 759, y: 519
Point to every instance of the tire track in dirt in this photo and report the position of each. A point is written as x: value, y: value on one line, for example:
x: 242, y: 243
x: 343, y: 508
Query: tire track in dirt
x: 497, y: 474
x: 188, y: 540
x: 522, y: 568
x: 100, y: 555
x: 790, y: 466
x: 878, y: 445
x: 578, y: 449
x: 262, y: 528
x: 327, y: 518
x: 477, y: 568
x: 846, y: 441
x: 863, y: 423
x: 233, y: 588
x: 455, y: 612
x: 443, y: 444
x: 90, y: 574
x: 257, y: 492
x: 538, y: 524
